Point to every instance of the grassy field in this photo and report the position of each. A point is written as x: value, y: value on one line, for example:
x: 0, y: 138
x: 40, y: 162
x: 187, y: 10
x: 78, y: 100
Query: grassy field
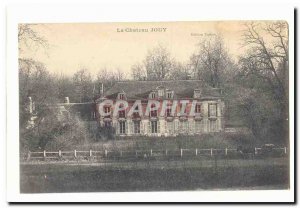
x: 217, y: 140
x: 45, y: 177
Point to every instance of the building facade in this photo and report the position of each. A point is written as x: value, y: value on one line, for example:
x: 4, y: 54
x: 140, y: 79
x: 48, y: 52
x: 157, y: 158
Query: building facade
x: 181, y: 98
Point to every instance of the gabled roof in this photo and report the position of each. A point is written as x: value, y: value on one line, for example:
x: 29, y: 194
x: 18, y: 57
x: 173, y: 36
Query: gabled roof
x: 181, y: 88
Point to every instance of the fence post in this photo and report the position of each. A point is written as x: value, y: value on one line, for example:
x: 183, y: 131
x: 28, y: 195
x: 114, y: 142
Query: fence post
x: 28, y: 155
x: 44, y: 153
x: 181, y: 153
x: 151, y: 152
x: 255, y: 151
x: 211, y: 152
x: 166, y: 152
x: 75, y: 153
x: 196, y: 151
x: 105, y: 151
x: 91, y: 153
x: 59, y: 153
x: 136, y: 153
x: 121, y: 154
x: 226, y: 151
x: 284, y: 150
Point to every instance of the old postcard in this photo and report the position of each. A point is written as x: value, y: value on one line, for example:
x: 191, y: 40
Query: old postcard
x: 154, y: 106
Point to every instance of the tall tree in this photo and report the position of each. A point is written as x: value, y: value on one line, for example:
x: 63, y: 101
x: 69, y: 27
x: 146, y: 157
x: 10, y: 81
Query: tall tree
x: 268, y: 59
x: 138, y: 72
x: 180, y: 71
x: 65, y: 88
x: 107, y: 78
x: 211, y: 62
x: 28, y: 37
x: 158, y: 64
x: 264, y: 68
x: 83, y: 85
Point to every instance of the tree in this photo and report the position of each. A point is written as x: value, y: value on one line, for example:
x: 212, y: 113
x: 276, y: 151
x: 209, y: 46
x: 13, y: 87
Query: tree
x: 28, y: 37
x: 158, y: 64
x: 83, y: 85
x: 211, y: 63
x: 268, y: 61
x: 35, y: 82
x: 138, y: 72
x: 38, y: 84
x: 180, y: 71
x: 65, y: 88
x: 264, y: 67
x: 119, y: 74
x: 108, y: 78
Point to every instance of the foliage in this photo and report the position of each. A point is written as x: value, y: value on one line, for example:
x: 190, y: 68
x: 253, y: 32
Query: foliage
x: 263, y: 80
x: 212, y: 63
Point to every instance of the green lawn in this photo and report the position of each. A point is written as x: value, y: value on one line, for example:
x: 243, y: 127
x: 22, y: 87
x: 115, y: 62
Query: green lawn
x: 270, y: 173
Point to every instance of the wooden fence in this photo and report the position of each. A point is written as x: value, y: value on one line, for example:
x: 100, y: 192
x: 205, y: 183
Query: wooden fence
x: 148, y: 154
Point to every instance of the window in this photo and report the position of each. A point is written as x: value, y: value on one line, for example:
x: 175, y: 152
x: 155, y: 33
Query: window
x: 122, y: 114
x: 122, y: 127
x: 197, y: 93
x: 198, y: 108
x: 170, y: 126
x: 152, y: 95
x: 136, y: 127
x: 121, y: 96
x: 169, y: 95
x: 93, y: 114
x: 212, y: 110
x: 169, y: 110
x: 153, y: 126
x: 106, y: 109
x: 185, y: 109
x: 153, y: 113
x: 161, y: 93
x: 136, y: 114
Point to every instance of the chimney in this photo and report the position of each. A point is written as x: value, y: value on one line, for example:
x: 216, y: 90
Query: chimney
x: 67, y: 100
x: 102, y: 89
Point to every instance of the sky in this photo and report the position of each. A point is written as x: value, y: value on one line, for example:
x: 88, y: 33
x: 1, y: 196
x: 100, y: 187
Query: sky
x: 94, y: 46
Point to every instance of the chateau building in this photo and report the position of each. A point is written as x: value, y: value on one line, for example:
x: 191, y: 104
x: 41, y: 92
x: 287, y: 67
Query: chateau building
x: 205, y: 102
x: 190, y: 109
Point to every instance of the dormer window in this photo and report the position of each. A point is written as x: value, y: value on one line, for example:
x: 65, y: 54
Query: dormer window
x: 161, y: 92
x: 106, y: 109
x: 121, y: 96
x: 169, y: 94
x: 197, y: 93
x: 152, y: 95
